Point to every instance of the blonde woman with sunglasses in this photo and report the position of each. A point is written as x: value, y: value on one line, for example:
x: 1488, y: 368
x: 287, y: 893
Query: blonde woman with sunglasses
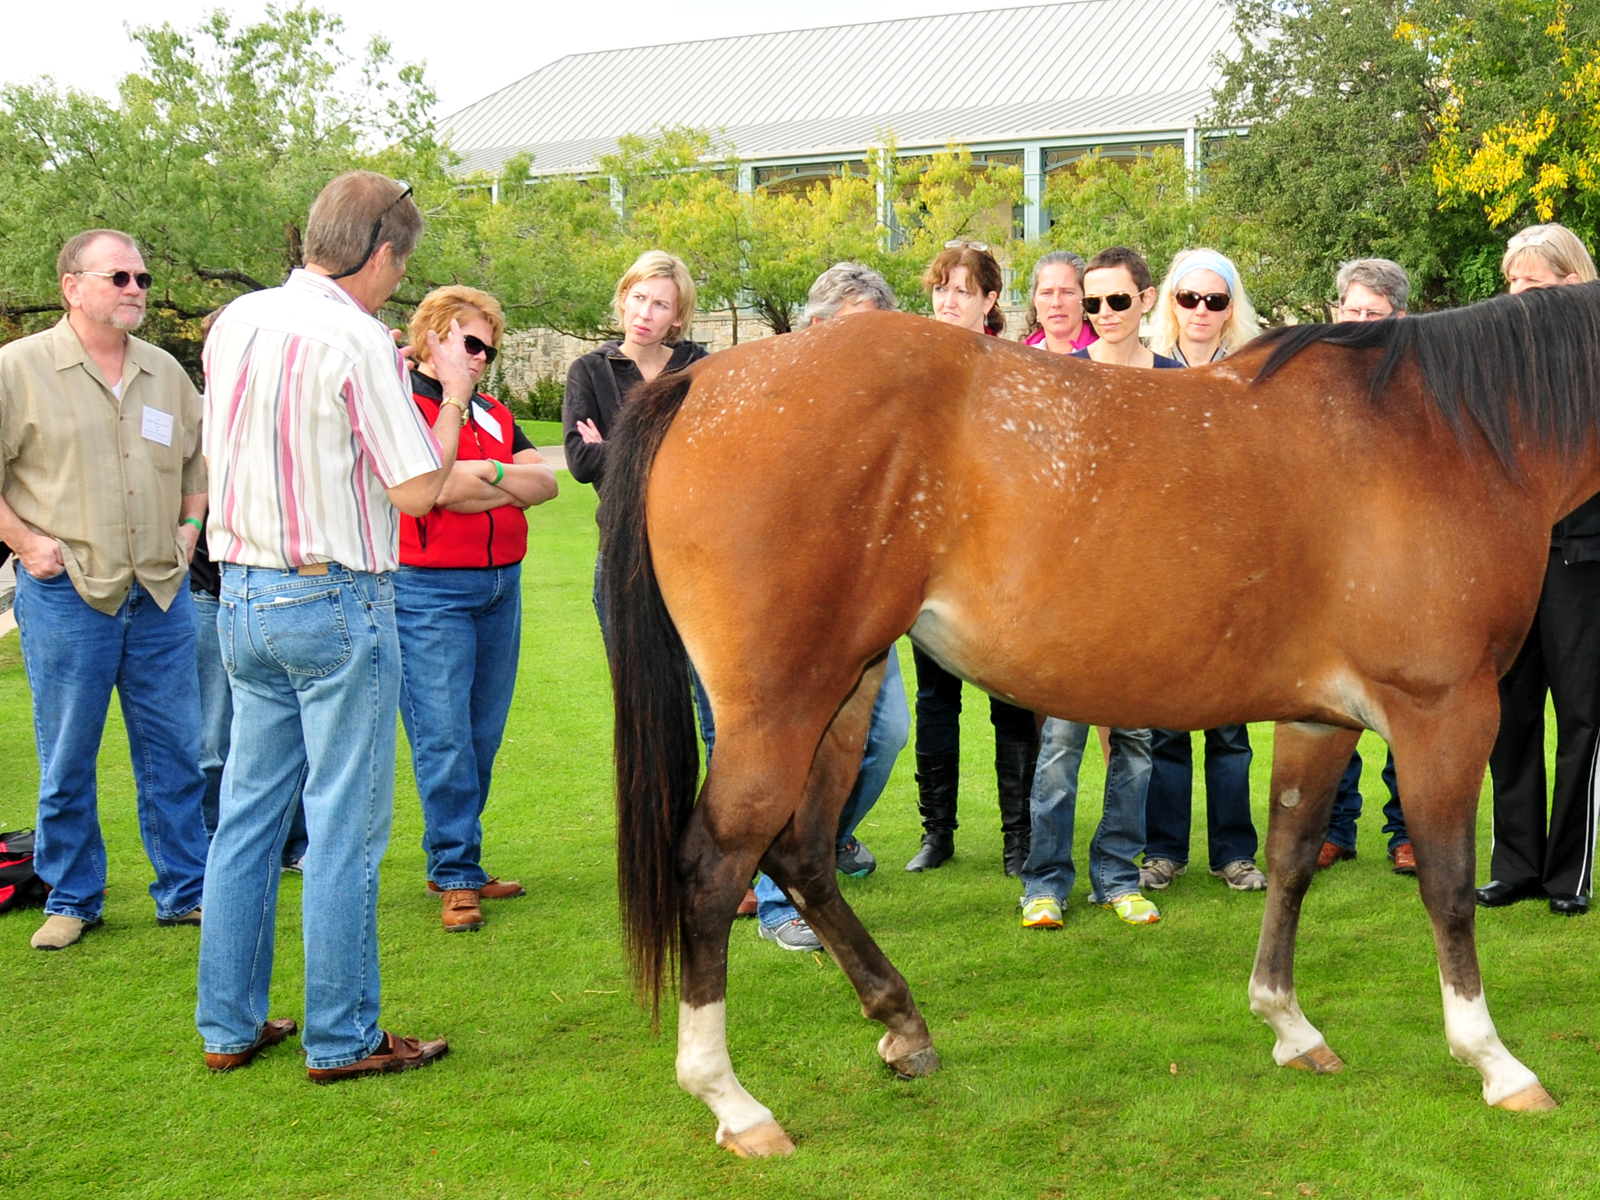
x: 1202, y: 313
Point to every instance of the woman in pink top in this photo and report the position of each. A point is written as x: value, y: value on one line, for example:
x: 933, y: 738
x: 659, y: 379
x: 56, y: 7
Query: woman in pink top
x: 1055, y: 304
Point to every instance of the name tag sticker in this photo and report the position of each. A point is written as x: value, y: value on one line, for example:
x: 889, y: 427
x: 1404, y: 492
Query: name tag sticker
x: 489, y: 421
x: 156, y: 426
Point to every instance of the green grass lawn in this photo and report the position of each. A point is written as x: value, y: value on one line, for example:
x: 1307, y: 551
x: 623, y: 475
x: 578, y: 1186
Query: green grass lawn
x: 542, y: 433
x: 1100, y: 1061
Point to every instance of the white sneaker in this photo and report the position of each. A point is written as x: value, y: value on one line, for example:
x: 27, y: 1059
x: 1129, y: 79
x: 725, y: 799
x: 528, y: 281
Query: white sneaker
x: 1158, y: 873
x: 1242, y: 875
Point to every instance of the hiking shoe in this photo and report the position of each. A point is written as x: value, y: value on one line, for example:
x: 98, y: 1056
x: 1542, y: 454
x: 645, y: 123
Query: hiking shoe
x: 1158, y: 873
x: 1133, y: 909
x: 1042, y: 912
x: 296, y: 867
x: 60, y: 931
x: 192, y: 917
x: 793, y: 934
x: 853, y: 859
x: 1242, y: 875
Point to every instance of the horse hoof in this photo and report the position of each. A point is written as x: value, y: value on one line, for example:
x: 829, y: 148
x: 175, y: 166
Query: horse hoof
x: 916, y: 1064
x: 1532, y: 1098
x: 762, y: 1141
x: 1319, y: 1060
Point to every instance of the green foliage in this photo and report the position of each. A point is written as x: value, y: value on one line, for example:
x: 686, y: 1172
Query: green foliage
x: 541, y: 402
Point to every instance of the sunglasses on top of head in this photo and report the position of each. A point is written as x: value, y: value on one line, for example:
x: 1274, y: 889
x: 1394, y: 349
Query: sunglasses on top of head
x: 476, y: 346
x: 1118, y: 302
x: 121, y: 279
x: 1215, y: 301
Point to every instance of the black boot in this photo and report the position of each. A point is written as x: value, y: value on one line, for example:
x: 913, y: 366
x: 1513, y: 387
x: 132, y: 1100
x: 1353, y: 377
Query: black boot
x: 1014, y: 763
x: 937, y: 776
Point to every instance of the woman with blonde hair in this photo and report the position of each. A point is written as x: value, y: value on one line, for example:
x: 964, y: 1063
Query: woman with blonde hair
x: 1549, y: 855
x: 1202, y: 313
x: 458, y: 605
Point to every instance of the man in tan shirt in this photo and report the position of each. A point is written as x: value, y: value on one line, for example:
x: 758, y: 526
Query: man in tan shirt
x: 102, y: 489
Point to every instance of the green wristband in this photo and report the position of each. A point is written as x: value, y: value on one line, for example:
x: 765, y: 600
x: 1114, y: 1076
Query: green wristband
x: 499, y: 473
x: 196, y: 522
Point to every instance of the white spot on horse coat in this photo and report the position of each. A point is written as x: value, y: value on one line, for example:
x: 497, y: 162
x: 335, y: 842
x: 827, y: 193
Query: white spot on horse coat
x: 1290, y: 798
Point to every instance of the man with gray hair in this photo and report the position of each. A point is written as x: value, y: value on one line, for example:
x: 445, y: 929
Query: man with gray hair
x: 1371, y: 289
x: 840, y: 291
x: 102, y: 486
x: 318, y: 447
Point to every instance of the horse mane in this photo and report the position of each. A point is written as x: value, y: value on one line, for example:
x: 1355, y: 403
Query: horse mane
x: 1515, y: 368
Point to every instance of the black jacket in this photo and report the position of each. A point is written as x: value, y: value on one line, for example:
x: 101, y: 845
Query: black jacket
x: 597, y: 386
x: 1577, y: 535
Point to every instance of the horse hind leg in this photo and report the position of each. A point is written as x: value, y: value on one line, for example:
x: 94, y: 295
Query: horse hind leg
x: 1306, y: 764
x: 801, y: 860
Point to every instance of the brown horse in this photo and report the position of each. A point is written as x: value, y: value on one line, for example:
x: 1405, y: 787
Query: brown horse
x: 1343, y: 527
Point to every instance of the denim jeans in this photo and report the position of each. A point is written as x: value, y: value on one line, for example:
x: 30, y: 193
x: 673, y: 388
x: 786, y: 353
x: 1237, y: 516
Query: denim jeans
x: 216, y: 721
x: 460, y: 636
x: 1054, y: 803
x: 314, y: 663
x: 74, y: 655
x: 886, y: 737
x: 1230, y: 833
x: 1347, y: 807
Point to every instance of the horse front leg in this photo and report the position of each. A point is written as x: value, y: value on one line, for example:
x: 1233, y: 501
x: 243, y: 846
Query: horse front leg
x: 1440, y: 765
x: 1307, y: 761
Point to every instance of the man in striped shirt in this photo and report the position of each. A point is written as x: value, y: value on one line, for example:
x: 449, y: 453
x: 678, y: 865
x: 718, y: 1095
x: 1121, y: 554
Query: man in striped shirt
x: 314, y: 443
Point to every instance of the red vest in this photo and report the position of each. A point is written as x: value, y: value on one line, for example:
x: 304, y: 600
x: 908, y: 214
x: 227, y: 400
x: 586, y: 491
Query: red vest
x: 496, y: 538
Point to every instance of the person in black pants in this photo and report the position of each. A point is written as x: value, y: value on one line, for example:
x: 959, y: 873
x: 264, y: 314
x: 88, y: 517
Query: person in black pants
x: 1562, y: 656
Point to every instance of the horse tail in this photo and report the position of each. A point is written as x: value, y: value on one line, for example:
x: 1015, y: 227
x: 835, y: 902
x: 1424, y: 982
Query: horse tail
x: 657, y: 758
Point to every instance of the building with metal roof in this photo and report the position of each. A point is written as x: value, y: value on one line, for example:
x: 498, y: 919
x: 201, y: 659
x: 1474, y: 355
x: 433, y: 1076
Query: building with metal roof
x: 1036, y: 86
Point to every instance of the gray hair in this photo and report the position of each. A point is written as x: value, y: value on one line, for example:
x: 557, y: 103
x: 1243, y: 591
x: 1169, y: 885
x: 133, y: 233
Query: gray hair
x: 1381, y: 275
x: 1056, y: 258
x: 358, y: 210
x: 70, y: 260
x: 844, y: 283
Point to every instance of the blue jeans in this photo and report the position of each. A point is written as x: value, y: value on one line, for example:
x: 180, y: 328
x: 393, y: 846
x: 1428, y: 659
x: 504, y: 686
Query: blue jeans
x: 460, y: 635
x: 1054, y: 804
x: 216, y: 720
x: 1347, y: 807
x: 886, y: 737
x: 1230, y: 833
x: 74, y: 655
x: 314, y: 662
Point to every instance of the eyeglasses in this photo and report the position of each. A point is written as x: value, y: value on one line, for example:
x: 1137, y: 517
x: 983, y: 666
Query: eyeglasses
x: 1365, y: 314
x: 1119, y: 302
x: 475, y: 346
x: 377, y: 228
x: 963, y: 244
x: 121, y: 279
x: 1215, y: 301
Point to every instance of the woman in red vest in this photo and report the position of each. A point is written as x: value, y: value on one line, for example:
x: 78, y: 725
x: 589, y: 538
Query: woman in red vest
x: 458, y: 605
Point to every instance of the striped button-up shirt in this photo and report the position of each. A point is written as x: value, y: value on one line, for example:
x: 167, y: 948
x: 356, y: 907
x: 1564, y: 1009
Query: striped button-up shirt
x: 309, y: 419
x: 103, y: 475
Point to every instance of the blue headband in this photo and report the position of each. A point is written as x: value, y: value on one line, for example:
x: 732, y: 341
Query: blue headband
x: 1208, y: 260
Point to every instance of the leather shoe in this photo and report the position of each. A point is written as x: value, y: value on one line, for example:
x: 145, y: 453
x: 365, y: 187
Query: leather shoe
x: 1331, y: 854
x: 461, y: 910
x: 493, y: 888
x: 396, y: 1054
x: 273, y: 1032
x: 1569, y: 906
x: 1496, y: 894
x: 749, y: 906
x: 1404, y: 859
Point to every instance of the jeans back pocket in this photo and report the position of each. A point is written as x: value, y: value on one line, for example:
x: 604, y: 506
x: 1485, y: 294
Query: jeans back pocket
x: 305, y: 635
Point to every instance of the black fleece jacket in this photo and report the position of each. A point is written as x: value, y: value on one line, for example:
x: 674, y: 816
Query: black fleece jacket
x: 597, y: 387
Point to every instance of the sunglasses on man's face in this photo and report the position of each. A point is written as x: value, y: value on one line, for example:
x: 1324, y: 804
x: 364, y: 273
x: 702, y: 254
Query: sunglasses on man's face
x: 121, y: 279
x: 1118, y: 301
x: 475, y: 346
x: 1215, y: 301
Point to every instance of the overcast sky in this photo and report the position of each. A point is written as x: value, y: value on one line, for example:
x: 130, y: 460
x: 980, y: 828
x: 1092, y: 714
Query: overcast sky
x: 470, y: 49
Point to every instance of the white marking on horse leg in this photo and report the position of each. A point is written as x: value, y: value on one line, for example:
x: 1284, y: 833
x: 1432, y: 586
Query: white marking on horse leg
x: 1290, y: 797
x: 1281, y: 1011
x: 705, y: 1070
x: 1472, y: 1039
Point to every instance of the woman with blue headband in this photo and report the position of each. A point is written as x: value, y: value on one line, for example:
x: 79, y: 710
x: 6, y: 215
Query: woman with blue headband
x: 1202, y: 313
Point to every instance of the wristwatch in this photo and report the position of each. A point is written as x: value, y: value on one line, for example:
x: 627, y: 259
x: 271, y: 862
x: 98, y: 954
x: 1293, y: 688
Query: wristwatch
x: 460, y: 405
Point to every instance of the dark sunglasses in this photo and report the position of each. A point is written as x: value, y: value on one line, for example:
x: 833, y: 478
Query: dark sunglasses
x: 377, y: 228
x: 1119, y: 302
x: 121, y: 279
x: 476, y: 347
x: 1215, y: 301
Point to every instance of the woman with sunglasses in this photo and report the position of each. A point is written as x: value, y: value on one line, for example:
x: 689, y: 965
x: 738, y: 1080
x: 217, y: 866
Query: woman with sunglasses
x: 1202, y: 316
x: 458, y: 607
x: 1202, y: 313
x: 1117, y: 292
x: 965, y: 282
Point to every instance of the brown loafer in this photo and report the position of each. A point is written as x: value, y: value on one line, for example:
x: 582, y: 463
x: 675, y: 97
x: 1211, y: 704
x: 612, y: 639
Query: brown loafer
x: 749, y: 905
x: 461, y: 910
x: 1403, y: 859
x: 1332, y: 854
x: 273, y: 1032
x: 493, y: 889
x: 396, y: 1054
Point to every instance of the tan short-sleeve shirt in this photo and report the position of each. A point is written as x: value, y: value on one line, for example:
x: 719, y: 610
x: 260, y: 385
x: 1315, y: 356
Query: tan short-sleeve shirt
x: 105, y: 478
